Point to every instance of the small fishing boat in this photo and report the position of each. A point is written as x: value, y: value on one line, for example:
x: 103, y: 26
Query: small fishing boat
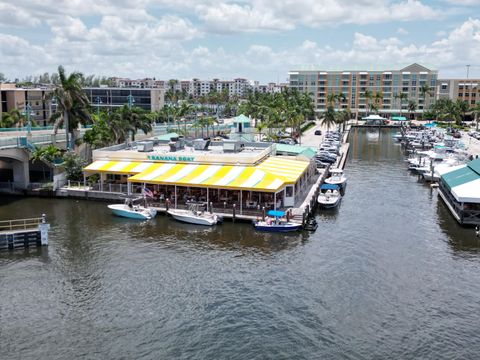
x: 276, y: 222
x: 329, y: 196
x: 131, y: 210
x: 337, y: 177
x: 195, y: 214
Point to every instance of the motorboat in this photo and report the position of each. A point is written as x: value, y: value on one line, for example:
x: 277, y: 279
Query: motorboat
x: 337, y: 177
x: 276, y: 222
x: 195, y: 214
x: 329, y: 196
x: 131, y: 210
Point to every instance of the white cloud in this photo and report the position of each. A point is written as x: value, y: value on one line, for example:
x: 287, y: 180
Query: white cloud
x: 402, y: 31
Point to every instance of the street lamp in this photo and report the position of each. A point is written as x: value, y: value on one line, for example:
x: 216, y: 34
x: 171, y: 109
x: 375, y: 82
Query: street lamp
x: 131, y: 101
x: 28, y: 112
x: 99, y: 101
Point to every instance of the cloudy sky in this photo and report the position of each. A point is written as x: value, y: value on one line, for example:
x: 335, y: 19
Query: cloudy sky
x: 256, y: 39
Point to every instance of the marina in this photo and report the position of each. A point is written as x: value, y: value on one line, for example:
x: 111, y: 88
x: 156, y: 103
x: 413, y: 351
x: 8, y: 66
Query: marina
x: 107, y: 285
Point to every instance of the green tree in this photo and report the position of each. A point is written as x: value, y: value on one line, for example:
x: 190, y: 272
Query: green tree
x: 73, y: 165
x: 368, y: 96
x: 412, y: 106
x: 72, y: 105
x: 329, y: 117
x: 424, y: 91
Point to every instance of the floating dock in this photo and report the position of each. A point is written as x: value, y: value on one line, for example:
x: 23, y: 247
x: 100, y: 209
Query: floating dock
x: 23, y: 233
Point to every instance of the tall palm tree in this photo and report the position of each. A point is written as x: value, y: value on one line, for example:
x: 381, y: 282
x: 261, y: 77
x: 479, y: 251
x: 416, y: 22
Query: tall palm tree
x: 462, y: 107
x: 72, y: 105
x: 329, y: 118
x: 476, y: 114
x: 402, y: 96
x: 12, y: 118
x: 368, y: 95
x: 378, y: 98
x: 412, y: 106
x: 424, y: 91
x: 135, y: 119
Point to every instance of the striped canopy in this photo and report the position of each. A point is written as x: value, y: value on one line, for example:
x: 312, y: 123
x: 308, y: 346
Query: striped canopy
x: 216, y: 176
x: 286, y: 168
x: 118, y: 167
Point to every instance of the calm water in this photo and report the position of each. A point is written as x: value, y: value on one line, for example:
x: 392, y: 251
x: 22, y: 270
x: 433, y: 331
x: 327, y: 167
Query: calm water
x: 388, y: 275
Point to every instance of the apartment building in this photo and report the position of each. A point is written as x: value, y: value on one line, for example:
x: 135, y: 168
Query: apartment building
x: 354, y: 83
x: 459, y: 89
x: 139, y: 83
x: 18, y: 98
x: 110, y: 97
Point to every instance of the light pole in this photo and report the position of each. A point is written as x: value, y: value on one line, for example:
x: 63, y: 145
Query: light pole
x: 28, y: 112
x: 131, y: 101
x: 99, y: 101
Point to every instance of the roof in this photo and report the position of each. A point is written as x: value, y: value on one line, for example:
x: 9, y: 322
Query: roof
x: 287, y: 168
x: 373, y: 117
x: 241, y: 119
x: 217, y: 176
x: 306, y: 151
x: 166, y: 136
x: 118, y: 167
x: 464, y: 182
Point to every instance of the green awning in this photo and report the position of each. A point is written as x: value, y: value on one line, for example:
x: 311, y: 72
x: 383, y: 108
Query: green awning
x: 399, y: 118
x: 241, y: 119
x: 460, y: 176
x: 166, y: 137
x: 306, y: 151
x: 475, y: 165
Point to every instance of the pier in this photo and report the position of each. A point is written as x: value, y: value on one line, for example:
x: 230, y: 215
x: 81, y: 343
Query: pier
x: 23, y: 233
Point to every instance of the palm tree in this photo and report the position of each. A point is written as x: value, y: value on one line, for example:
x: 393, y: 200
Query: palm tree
x: 462, y: 107
x: 402, y: 96
x: 12, y: 118
x: 476, y: 114
x: 72, y: 104
x: 412, y: 106
x: 329, y: 118
x: 135, y: 119
x: 424, y: 91
x: 368, y: 95
x: 378, y: 98
x: 343, y: 117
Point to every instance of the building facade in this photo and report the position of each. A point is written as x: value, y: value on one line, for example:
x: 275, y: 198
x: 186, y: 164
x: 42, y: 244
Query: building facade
x: 109, y: 97
x: 354, y: 85
x: 18, y: 98
x: 459, y: 89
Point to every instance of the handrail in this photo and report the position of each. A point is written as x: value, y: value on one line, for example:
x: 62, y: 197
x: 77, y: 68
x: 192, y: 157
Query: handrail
x: 21, y: 224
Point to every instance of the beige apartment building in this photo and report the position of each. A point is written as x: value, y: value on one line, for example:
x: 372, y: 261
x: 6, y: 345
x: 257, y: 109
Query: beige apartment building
x: 18, y: 98
x: 354, y: 83
x: 462, y: 89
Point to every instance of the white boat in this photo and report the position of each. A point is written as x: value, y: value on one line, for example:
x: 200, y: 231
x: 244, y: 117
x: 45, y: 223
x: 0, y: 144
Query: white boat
x: 329, y: 196
x: 131, y: 211
x: 195, y: 214
x: 337, y: 177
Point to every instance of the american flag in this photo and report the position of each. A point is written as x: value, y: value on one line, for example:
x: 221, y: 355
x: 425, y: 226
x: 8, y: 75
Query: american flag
x: 148, y: 193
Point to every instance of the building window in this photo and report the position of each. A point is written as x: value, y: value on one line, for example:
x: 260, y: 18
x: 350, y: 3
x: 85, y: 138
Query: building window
x: 444, y: 87
x: 460, y: 94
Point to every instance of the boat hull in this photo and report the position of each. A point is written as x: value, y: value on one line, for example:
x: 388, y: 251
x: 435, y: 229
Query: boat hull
x: 289, y: 227
x: 328, y: 203
x: 192, y: 219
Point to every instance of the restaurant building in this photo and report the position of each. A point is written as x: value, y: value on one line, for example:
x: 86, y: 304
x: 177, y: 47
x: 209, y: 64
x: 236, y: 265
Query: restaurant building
x: 227, y: 173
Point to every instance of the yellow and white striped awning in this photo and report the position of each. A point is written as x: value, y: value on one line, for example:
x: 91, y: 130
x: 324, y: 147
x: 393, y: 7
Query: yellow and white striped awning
x: 118, y: 167
x: 214, y: 176
x: 284, y: 167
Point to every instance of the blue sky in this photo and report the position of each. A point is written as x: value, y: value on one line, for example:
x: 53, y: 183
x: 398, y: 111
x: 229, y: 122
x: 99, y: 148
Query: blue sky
x: 256, y: 39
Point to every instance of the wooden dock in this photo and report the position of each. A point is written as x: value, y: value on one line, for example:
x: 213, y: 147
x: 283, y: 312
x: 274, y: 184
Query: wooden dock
x: 23, y: 233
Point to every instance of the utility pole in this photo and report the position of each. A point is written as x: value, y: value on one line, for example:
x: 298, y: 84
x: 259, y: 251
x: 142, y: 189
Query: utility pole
x: 468, y: 70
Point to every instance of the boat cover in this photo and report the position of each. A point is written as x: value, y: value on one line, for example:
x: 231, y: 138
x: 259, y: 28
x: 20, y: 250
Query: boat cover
x: 276, y: 213
x: 329, y: 187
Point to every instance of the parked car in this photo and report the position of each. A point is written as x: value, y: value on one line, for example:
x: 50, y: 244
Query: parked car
x: 318, y: 132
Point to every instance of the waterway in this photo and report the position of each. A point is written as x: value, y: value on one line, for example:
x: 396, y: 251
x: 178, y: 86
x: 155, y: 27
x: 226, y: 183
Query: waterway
x: 389, y: 275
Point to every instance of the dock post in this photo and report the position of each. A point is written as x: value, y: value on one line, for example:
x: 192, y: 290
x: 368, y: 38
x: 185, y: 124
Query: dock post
x: 233, y: 212
x: 44, y: 227
x: 211, y: 207
x: 167, y: 204
x: 263, y: 213
x: 304, y: 218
